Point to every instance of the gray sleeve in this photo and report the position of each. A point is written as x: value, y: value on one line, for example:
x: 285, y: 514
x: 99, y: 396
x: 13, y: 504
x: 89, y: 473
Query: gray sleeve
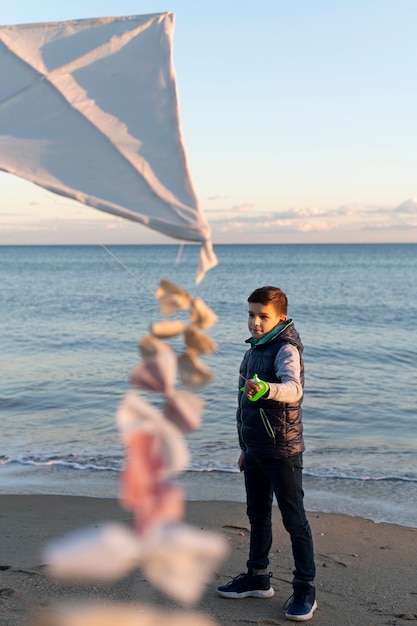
x: 287, y: 368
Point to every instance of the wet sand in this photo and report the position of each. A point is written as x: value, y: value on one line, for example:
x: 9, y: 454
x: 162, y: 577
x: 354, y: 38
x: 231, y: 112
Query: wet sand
x: 365, y: 570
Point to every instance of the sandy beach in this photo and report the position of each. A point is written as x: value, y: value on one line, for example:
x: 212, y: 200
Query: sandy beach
x: 366, y: 570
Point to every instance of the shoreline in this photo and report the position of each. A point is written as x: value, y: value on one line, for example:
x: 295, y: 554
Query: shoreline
x: 365, y: 570
x: 392, y: 502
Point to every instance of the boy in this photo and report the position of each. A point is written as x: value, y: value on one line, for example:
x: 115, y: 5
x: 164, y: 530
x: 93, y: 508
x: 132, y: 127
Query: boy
x: 271, y: 439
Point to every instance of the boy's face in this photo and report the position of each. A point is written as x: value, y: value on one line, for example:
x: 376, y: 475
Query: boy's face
x: 263, y: 318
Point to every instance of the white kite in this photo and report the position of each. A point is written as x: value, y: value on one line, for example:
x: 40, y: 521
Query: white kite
x: 89, y: 110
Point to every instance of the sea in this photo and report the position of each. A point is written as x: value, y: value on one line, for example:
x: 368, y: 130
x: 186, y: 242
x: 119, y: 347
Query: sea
x: 71, y: 319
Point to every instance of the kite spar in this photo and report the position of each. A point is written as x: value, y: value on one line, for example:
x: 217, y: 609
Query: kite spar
x: 89, y: 110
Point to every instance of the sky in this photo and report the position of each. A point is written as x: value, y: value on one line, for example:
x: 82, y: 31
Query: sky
x: 299, y: 120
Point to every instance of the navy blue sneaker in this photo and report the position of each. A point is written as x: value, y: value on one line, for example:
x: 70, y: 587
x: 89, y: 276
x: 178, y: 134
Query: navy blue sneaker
x: 302, y: 604
x: 247, y: 585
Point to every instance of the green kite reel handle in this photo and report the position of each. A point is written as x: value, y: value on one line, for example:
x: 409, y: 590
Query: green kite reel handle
x: 262, y: 391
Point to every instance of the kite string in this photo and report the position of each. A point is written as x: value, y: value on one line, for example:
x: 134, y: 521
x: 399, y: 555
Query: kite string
x: 57, y: 199
x: 125, y: 266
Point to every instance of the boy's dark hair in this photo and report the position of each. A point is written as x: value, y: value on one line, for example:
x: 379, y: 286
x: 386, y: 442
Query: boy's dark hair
x: 270, y: 295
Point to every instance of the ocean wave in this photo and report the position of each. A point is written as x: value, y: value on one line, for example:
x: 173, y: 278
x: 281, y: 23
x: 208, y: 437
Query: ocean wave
x: 115, y: 464
x: 312, y: 474
x: 80, y: 464
x: 360, y: 478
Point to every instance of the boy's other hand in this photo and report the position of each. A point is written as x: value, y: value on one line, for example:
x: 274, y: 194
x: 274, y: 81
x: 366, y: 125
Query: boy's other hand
x: 240, y: 461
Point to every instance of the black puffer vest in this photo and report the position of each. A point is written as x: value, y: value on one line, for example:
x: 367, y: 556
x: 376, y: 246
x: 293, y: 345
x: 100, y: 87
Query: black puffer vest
x: 268, y: 428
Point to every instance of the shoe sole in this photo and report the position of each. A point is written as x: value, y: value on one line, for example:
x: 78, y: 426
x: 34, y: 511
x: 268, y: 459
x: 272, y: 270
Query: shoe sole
x: 256, y: 593
x: 302, y: 618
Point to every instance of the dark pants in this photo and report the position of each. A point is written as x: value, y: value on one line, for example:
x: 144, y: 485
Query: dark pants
x: 263, y: 478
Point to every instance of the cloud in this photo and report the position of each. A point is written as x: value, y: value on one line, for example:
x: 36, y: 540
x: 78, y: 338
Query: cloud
x: 243, y: 208
x: 217, y: 197
x: 318, y: 227
x: 307, y: 212
x: 345, y: 222
x: 387, y: 227
x: 409, y: 206
x: 248, y: 215
x: 346, y: 209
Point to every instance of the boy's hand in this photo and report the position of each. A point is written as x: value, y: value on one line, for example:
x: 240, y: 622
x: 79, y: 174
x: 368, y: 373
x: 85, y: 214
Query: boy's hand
x: 252, y: 387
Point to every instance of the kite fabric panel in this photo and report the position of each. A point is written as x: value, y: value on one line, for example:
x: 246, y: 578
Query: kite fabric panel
x: 89, y: 110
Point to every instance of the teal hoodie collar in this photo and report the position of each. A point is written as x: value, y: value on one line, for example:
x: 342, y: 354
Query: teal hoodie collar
x: 271, y: 335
